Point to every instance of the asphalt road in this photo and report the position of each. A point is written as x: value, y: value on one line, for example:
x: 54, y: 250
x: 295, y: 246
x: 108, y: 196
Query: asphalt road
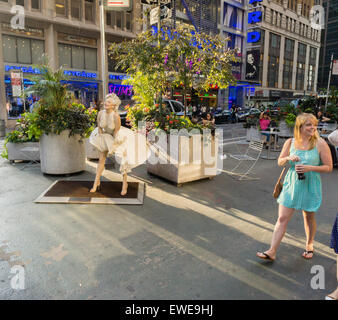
x: 194, y: 242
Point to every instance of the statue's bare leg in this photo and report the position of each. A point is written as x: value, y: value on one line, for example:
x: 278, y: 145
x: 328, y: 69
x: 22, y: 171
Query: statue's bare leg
x: 99, y: 170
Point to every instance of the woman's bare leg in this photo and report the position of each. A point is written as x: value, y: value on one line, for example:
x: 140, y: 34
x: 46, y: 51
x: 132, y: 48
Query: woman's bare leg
x: 124, y: 185
x: 310, y: 227
x: 284, y: 216
x: 99, y: 170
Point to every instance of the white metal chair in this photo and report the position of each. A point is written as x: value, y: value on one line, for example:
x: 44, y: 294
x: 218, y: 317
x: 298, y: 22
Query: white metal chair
x: 252, y: 154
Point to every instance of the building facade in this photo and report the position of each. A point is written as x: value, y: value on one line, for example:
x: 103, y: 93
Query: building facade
x: 283, y: 49
x: 329, y: 44
x: 68, y: 31
x: 232, y: 25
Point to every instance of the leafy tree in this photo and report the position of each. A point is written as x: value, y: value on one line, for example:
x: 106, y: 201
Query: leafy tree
x: 182, y: 57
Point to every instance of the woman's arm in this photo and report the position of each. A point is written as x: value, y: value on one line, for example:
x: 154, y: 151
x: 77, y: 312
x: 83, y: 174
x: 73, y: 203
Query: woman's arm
x: 261, y: 115
x: 117, y: 120
x: 284, y: 156
x: 325, y: 156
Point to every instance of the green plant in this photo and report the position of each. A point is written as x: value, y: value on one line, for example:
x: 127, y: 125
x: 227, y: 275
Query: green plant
x: 56, y: 112
x: 251, y: 121
x: 182, y: 58
x: 25, y: 131
x: 75, y: 118
x: 290, y: 120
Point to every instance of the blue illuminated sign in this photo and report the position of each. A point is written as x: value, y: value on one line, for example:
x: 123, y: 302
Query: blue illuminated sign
x: 23, y: 69
x: 80, y: 74
x: 254, y: 17
x: 29, y: 69
x: 253, y: 36
x: 254, y: 1
x: 118, y: 77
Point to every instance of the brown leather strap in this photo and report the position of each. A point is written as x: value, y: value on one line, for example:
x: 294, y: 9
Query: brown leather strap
x: 281, y: 175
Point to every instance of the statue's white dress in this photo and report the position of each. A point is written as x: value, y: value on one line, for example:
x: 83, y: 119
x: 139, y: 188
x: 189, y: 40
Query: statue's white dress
x: 123, y: 145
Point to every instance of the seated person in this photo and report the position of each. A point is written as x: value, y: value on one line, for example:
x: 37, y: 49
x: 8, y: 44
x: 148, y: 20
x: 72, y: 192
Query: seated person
x: 321, y: 117
x: 322, y: 121
x: 208, y: 119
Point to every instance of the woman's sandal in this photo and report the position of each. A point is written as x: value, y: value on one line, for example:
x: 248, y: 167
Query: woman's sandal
x: 306, y: 252
x: 266, y: 256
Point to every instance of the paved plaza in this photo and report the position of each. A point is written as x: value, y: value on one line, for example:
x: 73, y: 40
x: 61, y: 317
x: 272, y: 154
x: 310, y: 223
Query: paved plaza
x: 194, y: 242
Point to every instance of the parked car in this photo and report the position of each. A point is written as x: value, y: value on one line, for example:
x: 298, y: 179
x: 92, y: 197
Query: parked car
x: 221, y: 116
x: 242, y: 115
x: 176, y: 107
x: 172, y: 106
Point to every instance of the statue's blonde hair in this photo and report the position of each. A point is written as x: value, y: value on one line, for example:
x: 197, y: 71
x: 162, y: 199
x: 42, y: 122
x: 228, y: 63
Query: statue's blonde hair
x: 300, y: 121
x: 115, y: 100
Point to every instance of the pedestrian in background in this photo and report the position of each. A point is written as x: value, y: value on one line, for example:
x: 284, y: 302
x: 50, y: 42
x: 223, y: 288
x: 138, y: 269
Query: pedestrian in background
x: 308, y: 156
x: 333, y: 138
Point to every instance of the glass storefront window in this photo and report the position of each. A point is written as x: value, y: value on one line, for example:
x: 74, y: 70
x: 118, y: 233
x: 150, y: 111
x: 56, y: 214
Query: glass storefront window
x: 37, y: 50
x: 20, y: 2
x: 78, y: 57
x: 9, y: 49
x: 24, y: 50
x: 65, y: 55
x: 90, y: 59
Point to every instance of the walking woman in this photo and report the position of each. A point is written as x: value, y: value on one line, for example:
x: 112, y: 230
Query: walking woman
x: 108, y: 138
x: 308, y: 156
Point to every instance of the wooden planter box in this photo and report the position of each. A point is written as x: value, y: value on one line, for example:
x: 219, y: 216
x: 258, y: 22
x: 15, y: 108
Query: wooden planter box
x: 181, y: 164
x: 15, y: 151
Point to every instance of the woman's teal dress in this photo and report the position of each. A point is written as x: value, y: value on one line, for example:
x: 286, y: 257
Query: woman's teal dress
x: 302, y: 194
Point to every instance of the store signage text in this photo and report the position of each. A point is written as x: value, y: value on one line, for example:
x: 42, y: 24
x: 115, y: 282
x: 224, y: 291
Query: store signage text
x: 120, y: 90
x: 254, y: 17
x: 253, y: 36
x: 23, y: 69
x: 118, y: 77
x: 76, y: 74
x: 80, y: 74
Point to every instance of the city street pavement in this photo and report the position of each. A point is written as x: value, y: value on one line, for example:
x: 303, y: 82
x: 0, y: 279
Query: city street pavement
x: 194, y: 242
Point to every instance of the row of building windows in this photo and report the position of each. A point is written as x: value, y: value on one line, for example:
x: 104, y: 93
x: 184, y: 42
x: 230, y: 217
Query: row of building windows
x: 304, y: 6
x: 35, y: 4
x: 284, y: 22
x: 29, y: 51
x: 274, y: 61
x: 82, y: 10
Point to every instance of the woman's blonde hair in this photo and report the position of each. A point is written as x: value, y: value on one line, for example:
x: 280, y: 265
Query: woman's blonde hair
x: 115, y: 100
x: 300, y: 121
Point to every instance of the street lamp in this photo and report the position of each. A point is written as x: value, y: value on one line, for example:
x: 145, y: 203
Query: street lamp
x: 103, y: 49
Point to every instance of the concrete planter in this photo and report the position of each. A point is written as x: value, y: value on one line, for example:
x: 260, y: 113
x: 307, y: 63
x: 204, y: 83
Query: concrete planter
x: 285, y: 130
x: 91, y: 152
x: 15, y: 151
x: 61, y: 154
x: 181, y: 165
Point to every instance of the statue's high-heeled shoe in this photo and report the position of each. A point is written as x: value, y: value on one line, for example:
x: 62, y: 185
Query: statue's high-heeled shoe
x: 95, y: 188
